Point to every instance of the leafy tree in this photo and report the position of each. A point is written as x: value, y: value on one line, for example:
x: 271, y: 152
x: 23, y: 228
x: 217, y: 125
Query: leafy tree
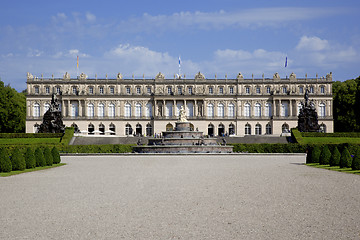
x: 315, y: 154
x: 30, y: 158
x: 17, y: 160
x: 56, y: 155
x: 356, y: 160
x: 325, y: 156
x: 335, y: 157
x: 345, y: 160
x: 48, y: 156
x: 5, y: 162
x: 12, y: 110
x: 39, y: 156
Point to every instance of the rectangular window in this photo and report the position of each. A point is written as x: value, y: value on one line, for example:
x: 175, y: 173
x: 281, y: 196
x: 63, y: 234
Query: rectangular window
x: 231, y: 90
x: 268, y: 90
x: 258, y: 90
x: 169, y: 90
x: 112, y: 90
x: 211, y: 91
x: 322, y: 89
x: 284, y: 90
x: 221, y: 90
x: 149, y: 90
x: 190, y: 90
x: 58, y: 90
x: 311, y: 89
x: 74, y: 90
x: 138, y: 90
x: 127, y: 90
x: 36, y: 90
x: 47, y: 90
x: 247, y: 90
x: 179, y: 90
x: 91, y: 90
x: 101, y: 90
x: 301, y: 90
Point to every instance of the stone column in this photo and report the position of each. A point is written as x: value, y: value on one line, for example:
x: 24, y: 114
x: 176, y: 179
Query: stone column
x: 68, y: 108
x: 80, y: 109
x: 195, y: 108
x: 290, y: 108
x: 274, y: 109
x: 205, y: 109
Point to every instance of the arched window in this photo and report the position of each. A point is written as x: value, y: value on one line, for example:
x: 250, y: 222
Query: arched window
x: 76, y: 128
x: 220, y: 112
x: 148, y: 112
x: 285, y: 128
x: 231, y: 110
x: 284, y: 109
x: 268, y: 109
x: 211, y: 130
x: 138, y: 130
x: 268, y: 129
x: 210, y: 110
x: 221, y: 129
x: 231, y: 129
x: 74, y: 109
x: 46, y: 107
x: 102, y: 129
x: 190, y: 109
x: 247, y: 110
x: 169, y: 127
x: 36, y: 110
x: 127, y: 110
x: 321, y: 110
x: 148, y: 129
x: 258, y: 129
x: 112, y: 129
x: 128, y: 129
x: 101, y: 108
x: 90, y: 110
x: 322, y: 128
x: 138, y: 110
x: 169, y: 109
x: 111, y: 110
x: 247, y: 129
x: 91, y: 129
x: 257, y: 109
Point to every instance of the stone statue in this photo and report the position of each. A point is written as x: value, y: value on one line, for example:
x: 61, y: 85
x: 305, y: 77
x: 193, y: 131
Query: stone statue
x: 182, y: 115
x: 52, y: 120
x: 308, y: 118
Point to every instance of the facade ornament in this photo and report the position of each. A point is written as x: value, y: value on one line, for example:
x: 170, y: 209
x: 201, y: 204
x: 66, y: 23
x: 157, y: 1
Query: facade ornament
x: 240, y: 76
x: 329, y: 76
x: 292, y: 76
x: 83, y: 76
x: 160, y: 76
x: 276, y: 76
x: 66, y: 76
x: 119, y: 76
x: 199, y: 76
x: 29, y: 76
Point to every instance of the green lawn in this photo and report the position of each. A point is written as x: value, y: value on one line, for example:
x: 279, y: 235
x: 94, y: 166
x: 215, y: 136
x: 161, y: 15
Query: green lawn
x: 6, y: 174
x: 9, y: 141
x: 334, y: 168
x: 327, y: 140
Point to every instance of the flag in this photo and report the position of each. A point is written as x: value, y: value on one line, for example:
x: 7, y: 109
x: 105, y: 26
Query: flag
x: 286, y: 62
x: 179, y: 61
x: 77, y: 63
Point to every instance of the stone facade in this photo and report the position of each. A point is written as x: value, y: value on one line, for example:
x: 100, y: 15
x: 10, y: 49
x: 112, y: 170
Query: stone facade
x: 149, y: 106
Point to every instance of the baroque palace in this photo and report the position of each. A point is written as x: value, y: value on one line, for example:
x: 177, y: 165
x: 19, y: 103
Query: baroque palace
x: 235, y: 107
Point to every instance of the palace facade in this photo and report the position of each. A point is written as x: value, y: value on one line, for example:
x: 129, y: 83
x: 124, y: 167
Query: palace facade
x: 235, y: 107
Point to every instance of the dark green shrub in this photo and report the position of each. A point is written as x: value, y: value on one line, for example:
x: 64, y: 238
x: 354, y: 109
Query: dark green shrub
x: 355, y: 165
x: 56, y: 156
x: 309, y: 155
x: 39, y: 156
x: 345, y: 159
x: 335, y: 157
x: 325, y: 156
x: 17, y: 160
x: 48, y: 157
x: 30, y: 158
x: 315, y: 154
x: 5, y: 162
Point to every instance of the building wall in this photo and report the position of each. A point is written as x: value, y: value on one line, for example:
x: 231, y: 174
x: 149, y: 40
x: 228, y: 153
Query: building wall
x: 235, y: 102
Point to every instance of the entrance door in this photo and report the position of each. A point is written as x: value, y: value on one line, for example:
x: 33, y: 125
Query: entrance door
x: 138, y: 130
x: 221, y: 130
x: 211, y: 130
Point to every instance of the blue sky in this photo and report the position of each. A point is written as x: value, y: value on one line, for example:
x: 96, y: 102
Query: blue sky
x: 147, y: 37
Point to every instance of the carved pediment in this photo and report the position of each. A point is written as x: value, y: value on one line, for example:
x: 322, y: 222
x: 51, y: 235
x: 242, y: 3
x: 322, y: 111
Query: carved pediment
x: 199, y: 76
x: 160, y: 76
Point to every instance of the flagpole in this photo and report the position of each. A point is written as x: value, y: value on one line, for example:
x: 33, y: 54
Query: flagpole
x: 77, y: 67
x: 179, y: 67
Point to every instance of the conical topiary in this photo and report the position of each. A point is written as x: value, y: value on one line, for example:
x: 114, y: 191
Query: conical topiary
x: 17, y: 160
x: 30, y: 158
x: 315, y: 154
x: 325, y: 156
x: 335, y: 157
x: 39, y: 156
x: 48, y: 157
x: 345, y: 159
x: 356, y: 160
x: 56, y: 155
x: 5, y: 162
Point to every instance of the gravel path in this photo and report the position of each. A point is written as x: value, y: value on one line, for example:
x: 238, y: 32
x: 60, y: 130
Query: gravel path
x: 181, y: 197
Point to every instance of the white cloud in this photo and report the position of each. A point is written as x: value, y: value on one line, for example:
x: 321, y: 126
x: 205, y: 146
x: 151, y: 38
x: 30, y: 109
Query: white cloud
x: 312, y: 44
x: 90, y: 17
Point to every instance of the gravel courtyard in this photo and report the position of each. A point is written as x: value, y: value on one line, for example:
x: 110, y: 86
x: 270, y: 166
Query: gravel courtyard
x: 181, y: 197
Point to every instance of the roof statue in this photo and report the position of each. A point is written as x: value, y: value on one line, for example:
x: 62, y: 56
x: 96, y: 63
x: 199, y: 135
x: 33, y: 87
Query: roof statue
x: 199, y: 75
x: 119, y: 76
x: 66, y: 76
x: 160, y: 76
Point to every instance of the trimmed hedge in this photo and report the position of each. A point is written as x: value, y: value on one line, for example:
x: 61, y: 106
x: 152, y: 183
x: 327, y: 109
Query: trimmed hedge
x: 31, y: 135
x: 315, y: 154
x: 296, y: 136
x: 345, y: 160
x: 5, y: 162
x: 325, y: 156
x: 339, y: 134
x: 356, y: 160
x: 107, y: 148
x: 335, y: 157
x: 30, y: 158
x: 69, y: 133
x: 48, y: 157
x: 17, y: 160
x: 56, y: 155
x: 39, y: 157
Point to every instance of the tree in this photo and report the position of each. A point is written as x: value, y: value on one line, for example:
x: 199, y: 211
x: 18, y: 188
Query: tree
x: 12, y: 110
x: 356, y: 160
x: 325, y: 156
x: 345, y: 160
x: 5, y: 162
x: 56, y: 155
x: 315, y: 154
x: 335, y: 157
x: 48, y: 156
x: 30, y: 158
x: 17, y: 160
x: 39, y: 156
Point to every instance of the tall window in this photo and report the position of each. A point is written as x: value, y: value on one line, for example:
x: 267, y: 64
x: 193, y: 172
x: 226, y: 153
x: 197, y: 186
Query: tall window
x: 101, y: 90
x: 36, y: 90
x: 322, y: 89
x: 301, y: 90
x: 91, y: 129
x: 257, y: 110
x: 247, y: 110
x: 231, y: 129
x: 101, y: 108
x: 169, y: 109
x: 220, y: 112
x: 148, y: 112
x: 137, y: 110
x: 311, y: 89
x: 321, y: 110
x: 231, y: 109
x: 247, y: 129
x: 90, y: 110
x: 58, y: 90
x: 284, y: 109
x: 148, y: 129
x: 127, y: 110
x: 74, y: 90
x: 258, y: 90
x: 190, y: 109
x: 128, y: 129
x: 268, y: 90
x: 36, y: 110
x: 268, y: 129
x: 258, y: 129
x: 231, y: 90
x: 211, y: 90
x: 138, y: 90
x: 210, y: 110
x: 190, y: 89
x: 128, y: 90
x: 169, y: 90
x: 284, y: 89
x: 247, y: 90
x: 75, y: 109
x: 221, y: 90
x: 268, y: 110
x: 47, y: 90
x: 112, y: 129
x: 111, y: 109
x: 46, y: 107
x: 102, y: 129
x: 91, y: 90
x: 180, y: 90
